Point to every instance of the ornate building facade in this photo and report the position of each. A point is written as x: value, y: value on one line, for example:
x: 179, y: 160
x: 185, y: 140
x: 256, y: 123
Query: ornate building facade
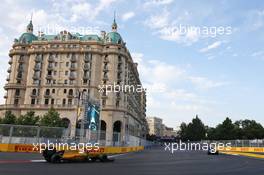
x: 48, y: 70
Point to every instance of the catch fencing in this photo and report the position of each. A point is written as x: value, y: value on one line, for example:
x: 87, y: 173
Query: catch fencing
x: 23, y: 134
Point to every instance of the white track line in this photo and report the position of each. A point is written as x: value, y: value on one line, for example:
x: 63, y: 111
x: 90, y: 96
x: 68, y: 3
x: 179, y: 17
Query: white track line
x: 36, y: 161
x: 112, y: 156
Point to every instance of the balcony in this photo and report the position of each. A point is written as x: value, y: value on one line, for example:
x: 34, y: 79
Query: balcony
x: 17, y: 95
x: 86, y: 67
x: 19, y: 77
x: 51, y: 59
x: 70, y: 96
x: 105, y: 69
x: 34, y: 95
x: 72, y: 77
x: 49, y: 77
x: 104, y: 95
x: 106, y: 61
x: 87, y: 59
x: 47, y: 95
x: 105, y: 77
x: 73, y: 59
x: 73, y: 67
x: 21, y: 60
x: 37, y: 68
x: 38, y: 58
x: 86, y: 76
x: 118, y: 96
x: 119, y: 77
x: 20, y: 69
x: 50, y: 67
x: 36, y: 77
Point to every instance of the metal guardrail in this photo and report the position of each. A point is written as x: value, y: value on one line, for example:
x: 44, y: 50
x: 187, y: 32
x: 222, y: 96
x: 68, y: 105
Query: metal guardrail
x: 241, y: 143
x: 24, y: 134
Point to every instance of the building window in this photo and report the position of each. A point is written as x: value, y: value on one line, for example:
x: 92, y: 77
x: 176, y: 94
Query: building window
x: 16, y: 101
x: 56, y: 64
x: 103, y: 102
x: 47, y: 92
x: 66, y: 72
x: 65, y: 81
x: 33, y: 100
x: 65, y: 91
x: 52, y: 101
x: 53, y: 91
x: 70, y: 92
x: 34, y: 92
x: 70, y: 101
x: 117, y: 103
x: 17, y: 93
x: 64, y: 101
x: 67, y: 64
x: 46, y: 102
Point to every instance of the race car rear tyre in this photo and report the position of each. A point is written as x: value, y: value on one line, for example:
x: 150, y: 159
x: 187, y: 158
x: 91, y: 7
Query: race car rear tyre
x: 55, y: 158
x: 93, y: 159
x: 103, y: 158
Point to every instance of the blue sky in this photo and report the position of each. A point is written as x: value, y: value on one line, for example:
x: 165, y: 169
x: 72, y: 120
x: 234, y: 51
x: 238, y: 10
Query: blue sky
x: 213, y: 77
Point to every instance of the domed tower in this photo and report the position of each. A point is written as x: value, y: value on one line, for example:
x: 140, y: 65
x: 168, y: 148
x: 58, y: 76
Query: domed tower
x: 114, y: 25
x: 114, y: 36
x: 28, y: 36
x: 30, y: 26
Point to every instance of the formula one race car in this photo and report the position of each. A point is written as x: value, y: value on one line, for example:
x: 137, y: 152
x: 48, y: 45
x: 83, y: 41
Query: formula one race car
x: 54, y: 156
x: 212, y: 151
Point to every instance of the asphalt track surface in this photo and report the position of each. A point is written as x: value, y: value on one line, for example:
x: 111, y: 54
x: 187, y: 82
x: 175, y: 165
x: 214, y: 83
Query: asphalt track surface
x: 148, y: 162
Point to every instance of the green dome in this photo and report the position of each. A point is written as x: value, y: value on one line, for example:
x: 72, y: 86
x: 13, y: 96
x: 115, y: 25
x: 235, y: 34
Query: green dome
x: 114, y: 37
x: 27, y: 38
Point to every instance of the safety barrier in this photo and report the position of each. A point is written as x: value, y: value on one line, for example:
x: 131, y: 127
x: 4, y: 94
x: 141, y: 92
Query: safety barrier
x: 244, y: 149
x: 32, y: 149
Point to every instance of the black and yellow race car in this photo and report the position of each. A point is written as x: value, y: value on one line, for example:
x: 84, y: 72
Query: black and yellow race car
x: 52, y: 155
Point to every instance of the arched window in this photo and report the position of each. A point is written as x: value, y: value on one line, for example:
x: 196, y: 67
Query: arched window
x: 34, y: 92
x: 70, y: 92
x: 47, y: 92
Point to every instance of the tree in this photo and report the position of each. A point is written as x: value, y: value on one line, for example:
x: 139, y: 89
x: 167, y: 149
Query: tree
x: 28, y: 119
x: 226, y: 130
x: 252, y: 130
x: 183, y: 131
x: 211, y: 133
x: 51, y: 118
x: 196, y: 130
x: 9, y: 118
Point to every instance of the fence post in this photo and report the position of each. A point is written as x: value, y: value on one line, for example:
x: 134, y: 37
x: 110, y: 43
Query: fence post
x: 10, y: 134
x: 38, y: 133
